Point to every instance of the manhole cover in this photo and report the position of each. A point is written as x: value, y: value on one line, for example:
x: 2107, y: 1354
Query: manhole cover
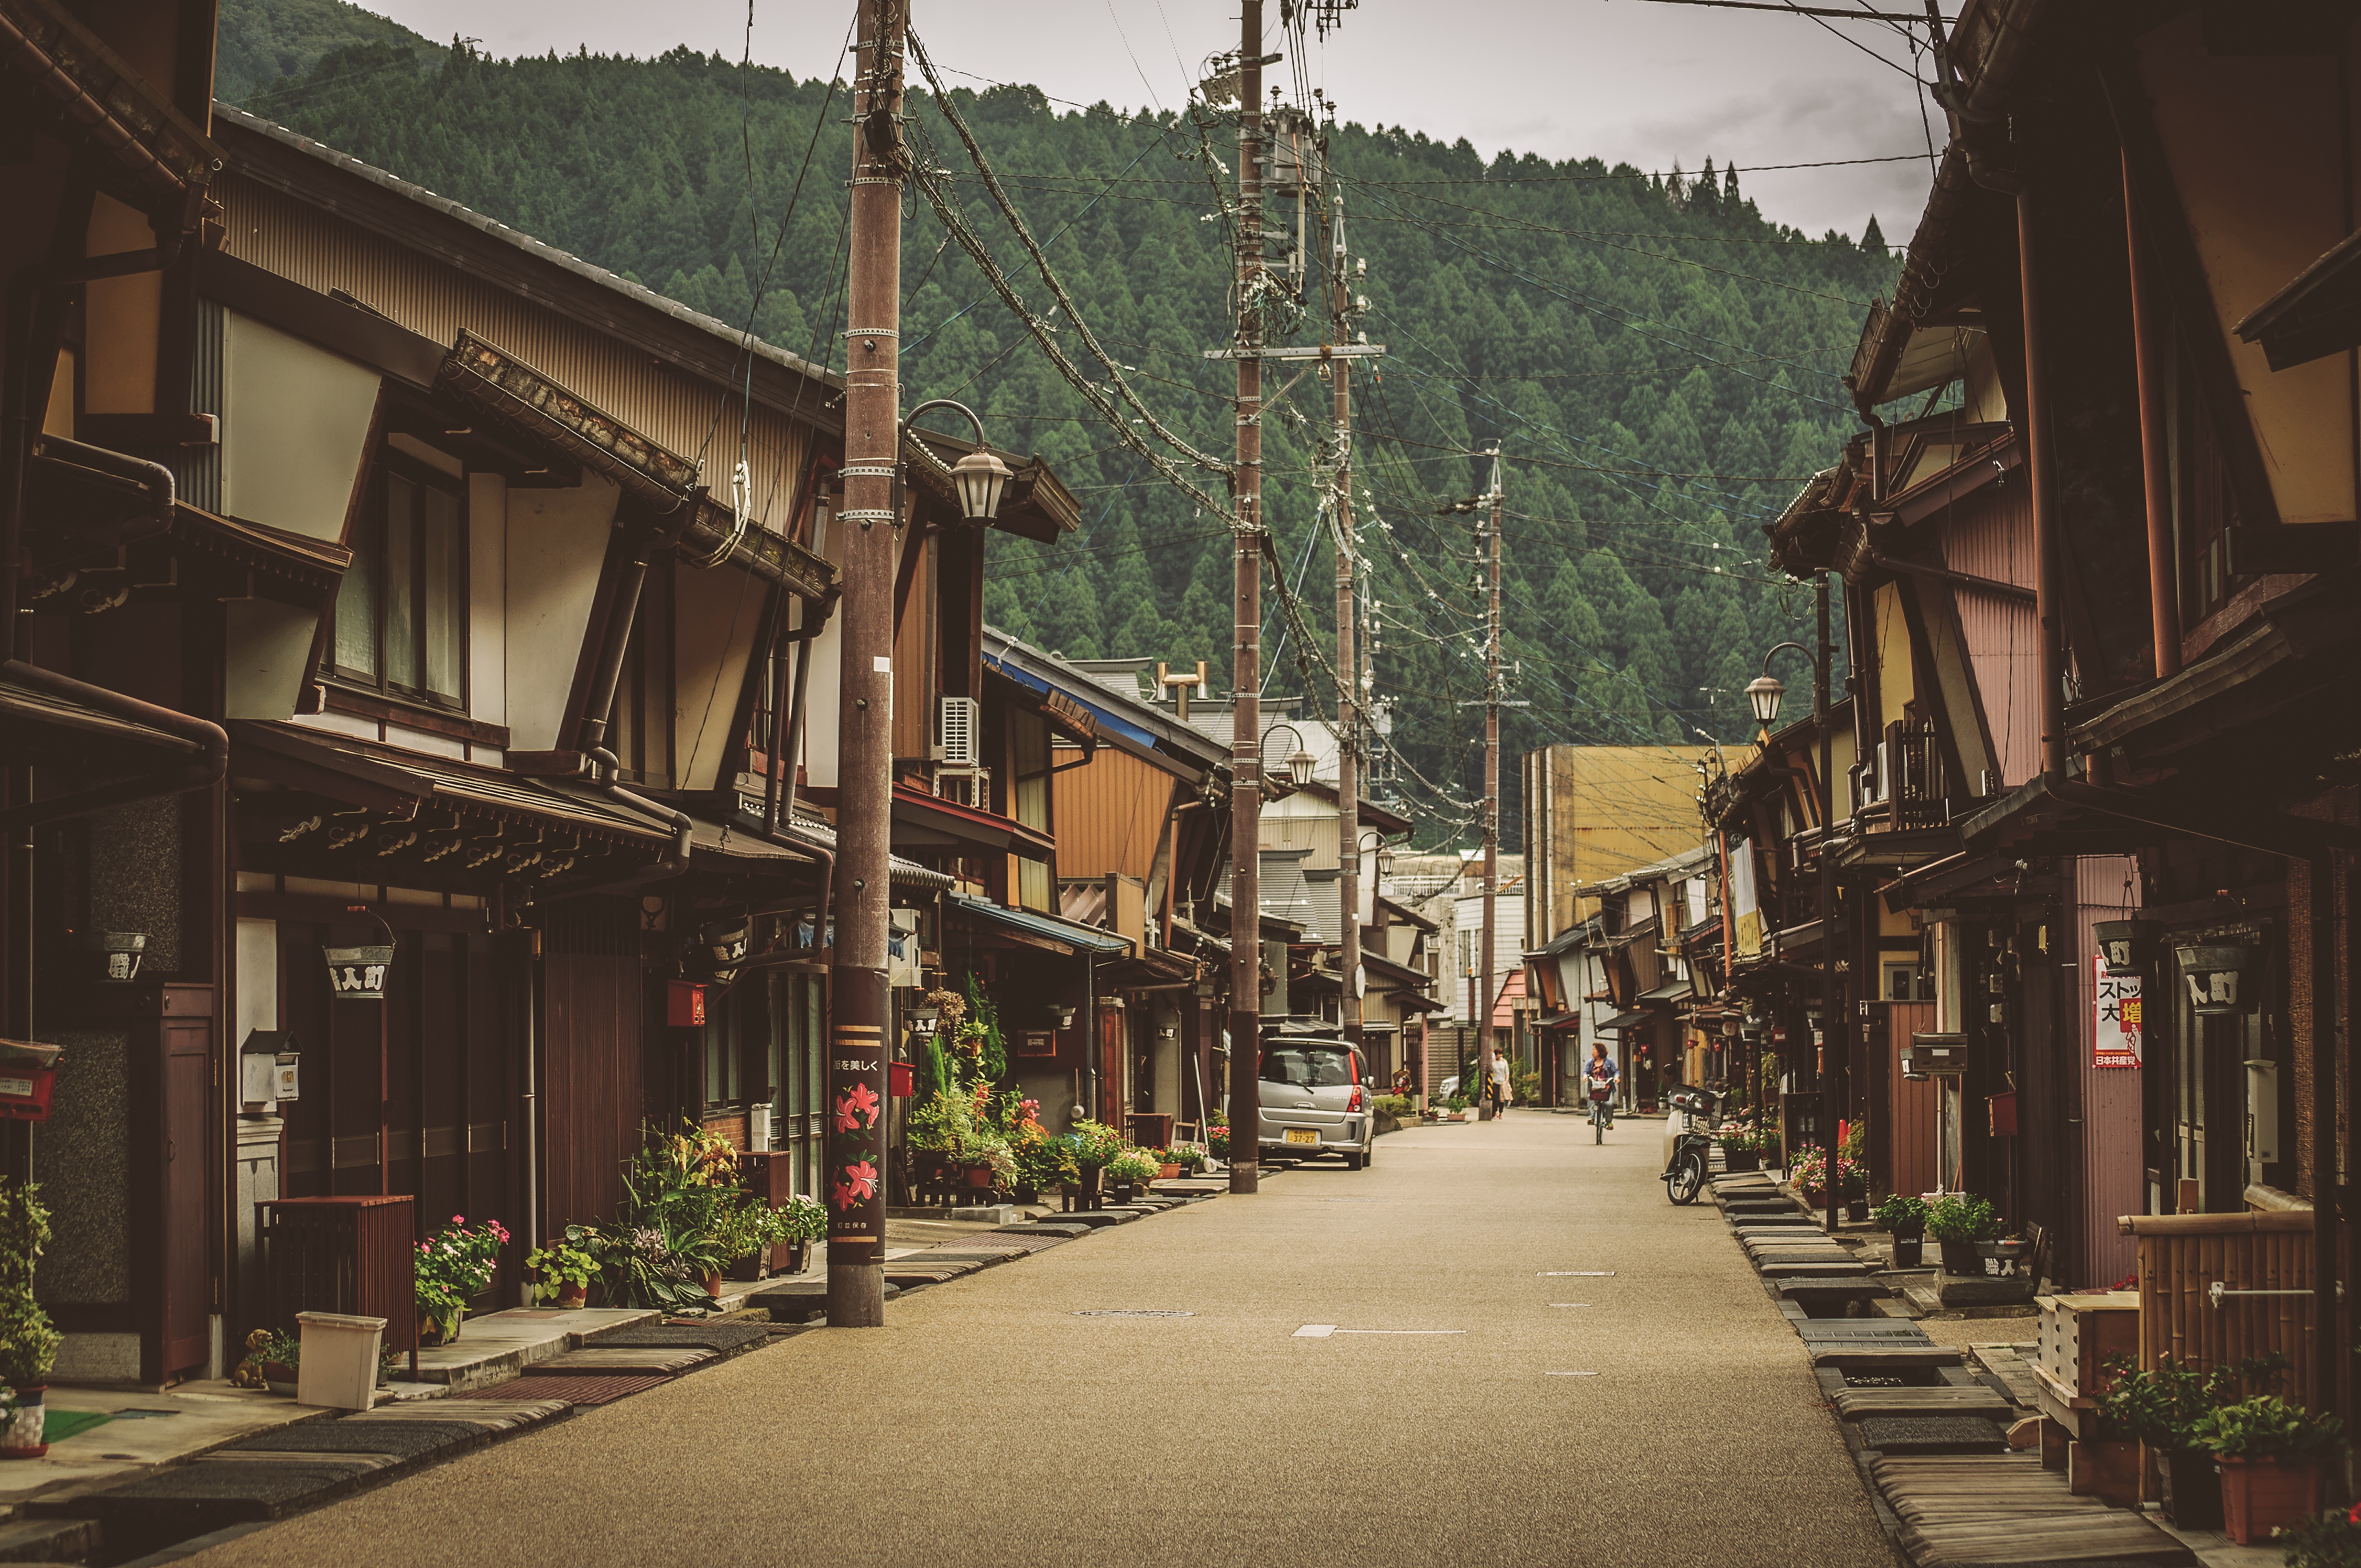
x: 1131, y: 1313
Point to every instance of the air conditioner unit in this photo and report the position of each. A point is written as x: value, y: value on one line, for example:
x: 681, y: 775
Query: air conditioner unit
x: 1881, y: 786
x: 957, y: 720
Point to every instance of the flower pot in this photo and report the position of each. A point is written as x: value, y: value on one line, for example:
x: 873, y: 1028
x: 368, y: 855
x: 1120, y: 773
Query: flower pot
x: 570, y: 1297
x: 749, y: 1267
x: 798, y: 1256
x: 1085, y: 1192
x: 1123, y: 1193
x: 2188, y: 1487
x: 1025, y: 1194
x: 1908, y: 1251
x: 977, y: 1175
x: 1739, y: 1160
x: 1960, y: 1257
x: 434, y: 1333
x: 713, y: 1285
x: 20, y: 1438
x: 2260, y: 1494
x: 1167, y: 1172
x: 2000, y: 1257
x: 1856, y: 1211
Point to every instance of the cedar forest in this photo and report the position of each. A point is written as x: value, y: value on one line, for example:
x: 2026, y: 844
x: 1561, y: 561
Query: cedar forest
x: 1657, y: 359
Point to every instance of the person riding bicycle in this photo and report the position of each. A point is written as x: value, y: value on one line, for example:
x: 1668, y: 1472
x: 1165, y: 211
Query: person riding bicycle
x: 1599, y: 1080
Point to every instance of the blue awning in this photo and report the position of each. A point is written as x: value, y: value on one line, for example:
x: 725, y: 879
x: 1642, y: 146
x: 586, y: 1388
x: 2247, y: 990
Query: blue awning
x: 1048, y: 927
x: 1079, y: 694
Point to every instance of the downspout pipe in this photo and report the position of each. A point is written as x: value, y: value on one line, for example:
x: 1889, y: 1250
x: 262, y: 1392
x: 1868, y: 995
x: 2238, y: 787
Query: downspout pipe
x: 604, y: 679
x: 211, y: 740
x: 2148, y: 354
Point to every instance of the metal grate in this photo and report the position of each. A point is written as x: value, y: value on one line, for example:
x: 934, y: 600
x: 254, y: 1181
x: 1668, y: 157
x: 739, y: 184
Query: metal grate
x: 572, y: 1390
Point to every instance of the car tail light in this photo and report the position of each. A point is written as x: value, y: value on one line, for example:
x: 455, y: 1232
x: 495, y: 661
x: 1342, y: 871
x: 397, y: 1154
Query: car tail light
x: 1355, y: 1103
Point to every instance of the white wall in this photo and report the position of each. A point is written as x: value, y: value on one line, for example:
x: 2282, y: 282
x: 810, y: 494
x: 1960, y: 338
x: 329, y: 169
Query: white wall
x: 487, y: 585
x: 556, y: 545
x: 295, y: 424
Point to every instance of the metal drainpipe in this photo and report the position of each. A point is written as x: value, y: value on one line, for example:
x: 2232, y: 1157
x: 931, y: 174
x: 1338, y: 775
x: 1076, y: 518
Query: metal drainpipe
x: 531, y: 1099
x: 2147, y: 352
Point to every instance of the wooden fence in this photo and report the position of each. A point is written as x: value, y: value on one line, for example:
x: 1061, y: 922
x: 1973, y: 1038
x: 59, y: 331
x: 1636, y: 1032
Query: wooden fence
x: 2183, y: 1256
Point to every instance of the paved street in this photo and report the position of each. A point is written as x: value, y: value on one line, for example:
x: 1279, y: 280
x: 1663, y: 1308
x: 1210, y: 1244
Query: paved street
x: 990, y: 1424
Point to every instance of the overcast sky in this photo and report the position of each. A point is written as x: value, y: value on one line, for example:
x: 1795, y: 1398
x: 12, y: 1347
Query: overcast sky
x: 1620, y: 80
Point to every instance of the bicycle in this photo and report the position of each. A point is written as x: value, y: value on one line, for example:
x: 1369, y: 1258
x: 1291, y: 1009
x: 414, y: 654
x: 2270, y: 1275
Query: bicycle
x: 1683, y: 1175
x: 1602, y: 1111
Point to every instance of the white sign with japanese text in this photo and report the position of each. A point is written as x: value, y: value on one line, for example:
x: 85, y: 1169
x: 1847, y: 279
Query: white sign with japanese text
x: 2115, y: 1016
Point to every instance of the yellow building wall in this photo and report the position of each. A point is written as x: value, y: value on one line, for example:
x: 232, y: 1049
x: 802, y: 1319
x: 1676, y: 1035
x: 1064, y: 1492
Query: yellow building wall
x: 1613, y: 810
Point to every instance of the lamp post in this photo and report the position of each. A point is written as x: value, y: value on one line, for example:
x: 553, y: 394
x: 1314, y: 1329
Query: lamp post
x: 1300, y: 763
x: 1764, y: 693
x: 980, y: 476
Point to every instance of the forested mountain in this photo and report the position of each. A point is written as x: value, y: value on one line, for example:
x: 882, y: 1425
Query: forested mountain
x: 263, y: 41
x: 1656, y: 358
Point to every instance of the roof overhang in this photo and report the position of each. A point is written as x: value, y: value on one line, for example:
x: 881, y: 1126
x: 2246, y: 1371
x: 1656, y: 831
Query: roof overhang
x: 922, y: 821
x: 664, y: 485
x: 161, y: 160
x: 1029, y: 929
x: 2318, y: 314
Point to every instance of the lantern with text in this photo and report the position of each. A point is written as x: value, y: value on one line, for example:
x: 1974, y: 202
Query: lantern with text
x: 725, y: 943
x: 121, y: 952
x: 2128, y: 945
x: 359, y: 974
x: 2216, y: 975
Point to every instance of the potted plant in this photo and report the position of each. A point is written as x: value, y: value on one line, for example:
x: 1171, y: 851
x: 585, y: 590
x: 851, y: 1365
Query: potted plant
x: 2330, y: 1540
x: 1905, y: 1218
x: 747, y: 1233
x: 1457, y: 1106
x: 1189, y: 1157
x: 2165, y: 1406
x: 1088, y: 1150
x: 1738, y: 1151
x: 1039, y: 1161
x: 1167, y: 1168
x: 29, y: 1342
x: 1131, y: 1170
x: 454, y: 1265
x: 806, y: 1221
x: 1957, y: 1222
x: 563, y: 1270
x: 2271, y: 1453
x: 1854, y: 1184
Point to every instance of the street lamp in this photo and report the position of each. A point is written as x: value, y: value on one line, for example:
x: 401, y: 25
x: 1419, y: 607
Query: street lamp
x: 1765, y: 690
x: 1373, y: 839
x: 980, y: 476
x: 1299, y: 762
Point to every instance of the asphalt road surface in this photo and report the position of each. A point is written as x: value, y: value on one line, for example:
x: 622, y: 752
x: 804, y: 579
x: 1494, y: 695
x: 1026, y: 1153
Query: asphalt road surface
x: 1610, y: 1386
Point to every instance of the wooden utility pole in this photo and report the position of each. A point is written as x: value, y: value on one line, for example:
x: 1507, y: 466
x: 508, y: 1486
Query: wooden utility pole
x: 1348, y: 709
x: 1491, y: 775
x: 1246, y: 698
x: 1831, y: 1058
x: 873, y: 413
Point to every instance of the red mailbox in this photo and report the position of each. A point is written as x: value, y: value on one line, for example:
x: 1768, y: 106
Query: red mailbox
x: 684, y: 1004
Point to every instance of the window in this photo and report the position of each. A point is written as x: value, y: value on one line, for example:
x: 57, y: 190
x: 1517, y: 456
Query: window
x: 1309, y: 1067
x: 401, y: 614
x: 1905, y: 982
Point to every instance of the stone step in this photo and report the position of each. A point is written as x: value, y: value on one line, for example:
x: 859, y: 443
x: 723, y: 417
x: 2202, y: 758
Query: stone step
x: 1856, y: 1404
x: 611, y: 1361
x: 1887, y: 1359
x: 1939, y: 1434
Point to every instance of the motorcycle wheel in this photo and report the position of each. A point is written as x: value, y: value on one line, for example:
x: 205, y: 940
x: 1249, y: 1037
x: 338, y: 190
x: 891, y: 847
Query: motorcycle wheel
x: 1686, y: 1178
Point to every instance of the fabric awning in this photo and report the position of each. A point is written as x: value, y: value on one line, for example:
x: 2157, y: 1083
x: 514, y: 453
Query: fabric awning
x: 1039, y: 930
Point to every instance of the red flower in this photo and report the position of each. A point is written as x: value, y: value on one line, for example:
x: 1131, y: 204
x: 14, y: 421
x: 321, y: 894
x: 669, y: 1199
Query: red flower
x: 860, y: 1182
x: 856, y: 1109
x: 2354, y: 1516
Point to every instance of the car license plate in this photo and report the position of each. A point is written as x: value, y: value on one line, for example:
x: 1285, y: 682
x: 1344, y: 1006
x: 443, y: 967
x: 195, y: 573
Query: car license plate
x: 1303, y: 1135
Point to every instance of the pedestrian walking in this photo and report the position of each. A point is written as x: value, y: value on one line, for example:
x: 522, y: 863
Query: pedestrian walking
x: 1599, y: 1081
x: 1497, y: 1083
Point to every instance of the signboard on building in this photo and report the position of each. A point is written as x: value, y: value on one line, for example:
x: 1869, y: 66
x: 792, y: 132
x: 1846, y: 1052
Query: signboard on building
x: 2115, y: 1016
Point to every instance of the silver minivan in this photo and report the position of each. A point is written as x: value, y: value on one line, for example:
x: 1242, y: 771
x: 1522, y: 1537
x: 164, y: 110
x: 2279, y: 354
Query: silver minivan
x: 1315, y: 1099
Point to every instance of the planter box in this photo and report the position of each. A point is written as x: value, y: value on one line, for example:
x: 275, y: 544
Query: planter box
x: 2260, y: 1494
x: 2107, y: 1469
x: 1739, y: 1161
x: 2187, y: 1485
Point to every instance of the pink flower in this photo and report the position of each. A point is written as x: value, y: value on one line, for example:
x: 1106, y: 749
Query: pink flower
x: 458, y: 1219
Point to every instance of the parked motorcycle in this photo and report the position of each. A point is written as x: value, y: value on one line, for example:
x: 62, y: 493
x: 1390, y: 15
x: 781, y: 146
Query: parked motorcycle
x: 1685, y: 1169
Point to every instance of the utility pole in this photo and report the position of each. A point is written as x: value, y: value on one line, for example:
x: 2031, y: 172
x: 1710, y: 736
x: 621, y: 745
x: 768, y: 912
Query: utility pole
x: 1348, y: 707
x: 873, y: 418
x: 1832, y: 1056
x: 1491, y: 772
x: 1246, y: 698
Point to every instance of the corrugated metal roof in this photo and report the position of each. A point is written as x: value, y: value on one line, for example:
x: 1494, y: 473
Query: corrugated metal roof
x: 1088, y: 938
